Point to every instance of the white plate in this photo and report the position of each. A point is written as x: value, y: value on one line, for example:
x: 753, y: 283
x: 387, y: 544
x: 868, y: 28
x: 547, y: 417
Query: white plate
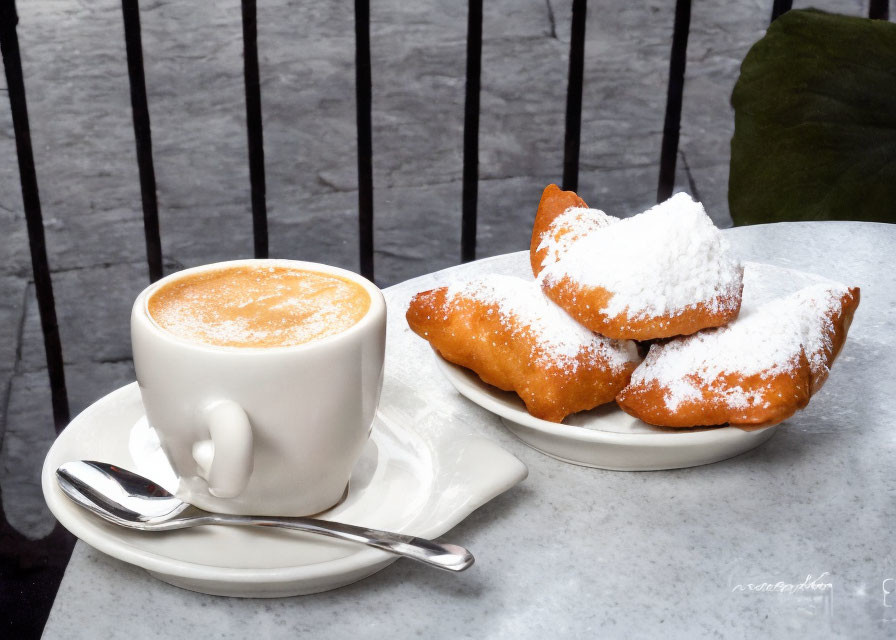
x: 606, y: 437
x: 420, y: 481
x: 609, y: 438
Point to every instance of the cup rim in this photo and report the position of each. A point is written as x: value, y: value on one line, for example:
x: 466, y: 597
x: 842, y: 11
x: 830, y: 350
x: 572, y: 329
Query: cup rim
x: 376, y: 309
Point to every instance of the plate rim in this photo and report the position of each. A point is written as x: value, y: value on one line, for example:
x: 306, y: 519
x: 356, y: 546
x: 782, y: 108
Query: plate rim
x: 462, y: 380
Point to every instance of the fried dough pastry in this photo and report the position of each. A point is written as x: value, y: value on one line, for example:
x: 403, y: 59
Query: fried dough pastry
x: 827, y: 313
x: 665, y: 272
x: 755, y: 372
x: 514, y: 338
x: 561, y: 219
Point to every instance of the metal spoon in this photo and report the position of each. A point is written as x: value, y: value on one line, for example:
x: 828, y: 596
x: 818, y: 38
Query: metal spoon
x: 127, y: 499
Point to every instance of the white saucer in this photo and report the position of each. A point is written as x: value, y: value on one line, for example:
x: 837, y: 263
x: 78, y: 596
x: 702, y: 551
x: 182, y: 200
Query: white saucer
x: 420, y: 481
x: 609, y: 438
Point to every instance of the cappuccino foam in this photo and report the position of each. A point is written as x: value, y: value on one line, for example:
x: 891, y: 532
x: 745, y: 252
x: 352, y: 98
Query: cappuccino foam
x: 258, y: 306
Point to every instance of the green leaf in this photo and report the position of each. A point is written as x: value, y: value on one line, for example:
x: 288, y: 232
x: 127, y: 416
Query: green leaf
x: 815, y: 122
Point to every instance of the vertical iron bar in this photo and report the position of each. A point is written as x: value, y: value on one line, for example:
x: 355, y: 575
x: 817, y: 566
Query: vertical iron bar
x: 574, y: 96
x: 470, y: 196
x: 780, y: 7
x: 130, y: 10
x: 12, y: 63
x: 672, y: 123
x: 879, y: 9
x: 254, y: 129
x: 363, y: 104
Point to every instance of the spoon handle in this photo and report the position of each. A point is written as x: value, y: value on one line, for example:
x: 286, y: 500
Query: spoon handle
x: 444, y: 556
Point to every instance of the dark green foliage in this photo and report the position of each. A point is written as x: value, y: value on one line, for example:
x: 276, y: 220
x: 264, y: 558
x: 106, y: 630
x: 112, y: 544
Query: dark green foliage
x: 815, y: 122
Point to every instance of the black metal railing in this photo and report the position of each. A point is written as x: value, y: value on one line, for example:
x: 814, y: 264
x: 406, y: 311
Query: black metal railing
x: 674, y: 97
x: 254, y: 130
x: 879, y: 9
x: 43, y: 285
x: 42, y: 561
x: 130, y: 10
x: 470, y: 189
x: 575, y: 81
x: 364, y: 107
x: 779, y: 7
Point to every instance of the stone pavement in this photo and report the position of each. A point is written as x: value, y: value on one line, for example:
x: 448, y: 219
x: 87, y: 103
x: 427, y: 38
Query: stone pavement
x: 78, y: 98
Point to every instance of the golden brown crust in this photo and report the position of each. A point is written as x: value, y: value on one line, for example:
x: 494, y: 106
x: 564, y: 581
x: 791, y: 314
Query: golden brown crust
x: 774, y: 398
x: 465, y: 333
x: 553, y: 202
x: 586, y: 305
x: 840, y: 323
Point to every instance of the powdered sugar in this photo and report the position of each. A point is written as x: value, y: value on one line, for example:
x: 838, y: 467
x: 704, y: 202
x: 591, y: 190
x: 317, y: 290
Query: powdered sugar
x: 760, y: 342
x: 567, y: 228
x: 817, y: 304
x: 558, y: 339
x: 660, y: 262
x: 766, y: 339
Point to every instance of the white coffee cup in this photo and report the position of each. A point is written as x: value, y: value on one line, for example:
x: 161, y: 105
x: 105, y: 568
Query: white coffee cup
x: 266, y: 431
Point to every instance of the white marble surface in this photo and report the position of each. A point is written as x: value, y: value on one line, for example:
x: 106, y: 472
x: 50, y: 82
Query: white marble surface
x: 580, y: 552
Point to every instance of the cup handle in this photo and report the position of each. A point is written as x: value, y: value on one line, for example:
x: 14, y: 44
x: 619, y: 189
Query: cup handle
x: 228, y: 462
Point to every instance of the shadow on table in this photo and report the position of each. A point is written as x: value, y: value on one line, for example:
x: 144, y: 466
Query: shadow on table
x: 30, y: 572
x: 470, y: 586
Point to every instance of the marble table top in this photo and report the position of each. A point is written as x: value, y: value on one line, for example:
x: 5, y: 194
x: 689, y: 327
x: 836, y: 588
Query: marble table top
x: 794, y: 538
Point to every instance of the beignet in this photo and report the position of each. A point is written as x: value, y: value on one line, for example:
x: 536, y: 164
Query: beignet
x: 515, y: 338
x: 756, y: 371
x: 665, y: 272
x: 561, y: 219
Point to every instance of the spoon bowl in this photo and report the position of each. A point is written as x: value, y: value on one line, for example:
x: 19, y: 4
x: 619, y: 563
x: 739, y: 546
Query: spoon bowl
x: 130, y: 500
x: 118, y: 495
